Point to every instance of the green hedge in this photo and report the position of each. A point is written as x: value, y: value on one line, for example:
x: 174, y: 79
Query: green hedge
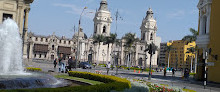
x: 111, y: 83
x: 115, y: 83
x: 33, y: 69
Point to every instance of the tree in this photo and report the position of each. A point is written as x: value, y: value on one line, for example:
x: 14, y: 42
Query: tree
x: 151, y: 49
x: 168, y: 49
x: 192, y: 37
x: 109, y: 40
x: 191, y: 50
x: 98, y: 39
x: 129, y: 42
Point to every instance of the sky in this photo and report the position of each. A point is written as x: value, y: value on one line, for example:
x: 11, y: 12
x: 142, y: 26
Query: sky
x: 174, y: 17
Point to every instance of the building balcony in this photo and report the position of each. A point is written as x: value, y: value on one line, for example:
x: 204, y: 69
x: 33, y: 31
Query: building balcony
x: 203, y: 40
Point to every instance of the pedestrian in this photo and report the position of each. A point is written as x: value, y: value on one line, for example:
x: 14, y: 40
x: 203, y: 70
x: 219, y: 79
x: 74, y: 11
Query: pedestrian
x: 60, y: 64
x: 142, y: 69
x: 173, y: 72
x: 108, y: 66
x: 70, y: 63
x: 165, y: 71
x: 55, y: 63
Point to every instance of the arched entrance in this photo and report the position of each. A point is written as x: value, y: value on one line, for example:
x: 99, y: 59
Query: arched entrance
x: 140, y: 62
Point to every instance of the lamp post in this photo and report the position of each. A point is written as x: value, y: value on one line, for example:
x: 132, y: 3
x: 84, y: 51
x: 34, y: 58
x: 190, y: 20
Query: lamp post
x: 151, y: 50
x: 77, y: 54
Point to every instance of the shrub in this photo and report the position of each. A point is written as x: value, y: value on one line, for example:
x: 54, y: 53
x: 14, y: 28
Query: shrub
x: 33, y: 69
x: 192, y: 74
x: 111, y: 81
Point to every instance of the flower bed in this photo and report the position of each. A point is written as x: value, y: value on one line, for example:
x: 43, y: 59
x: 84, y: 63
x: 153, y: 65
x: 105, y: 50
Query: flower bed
x: 33, y: 69
x: 158, y: 88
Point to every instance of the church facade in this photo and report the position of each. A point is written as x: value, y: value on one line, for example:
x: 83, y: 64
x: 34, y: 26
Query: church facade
x: 148, y: 36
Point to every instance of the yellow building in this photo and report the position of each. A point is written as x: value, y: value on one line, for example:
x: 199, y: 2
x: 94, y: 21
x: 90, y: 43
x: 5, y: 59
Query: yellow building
x: 208, y: 40
x: 178, y: 56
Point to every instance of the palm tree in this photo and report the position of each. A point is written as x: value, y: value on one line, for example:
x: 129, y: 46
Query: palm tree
x: 129, y: 42
x: 193, y: 51
x: 98, y: 39
x: 109, y: 40
x: 191, y: 38
x: 168, y: 49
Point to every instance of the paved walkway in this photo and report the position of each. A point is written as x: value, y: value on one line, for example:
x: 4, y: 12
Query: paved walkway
x: 157, y: 77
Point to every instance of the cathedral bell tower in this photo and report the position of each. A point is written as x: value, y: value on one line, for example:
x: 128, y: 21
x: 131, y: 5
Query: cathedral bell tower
x: 102, y: 20
x: 149, y: 27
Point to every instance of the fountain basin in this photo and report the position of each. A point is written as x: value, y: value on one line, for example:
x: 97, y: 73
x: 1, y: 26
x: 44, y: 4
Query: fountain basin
x: 34, y: 80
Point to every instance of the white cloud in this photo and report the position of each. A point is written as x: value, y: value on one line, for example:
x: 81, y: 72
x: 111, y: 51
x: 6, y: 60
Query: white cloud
x: 73, y: 9
x: 177, y: 14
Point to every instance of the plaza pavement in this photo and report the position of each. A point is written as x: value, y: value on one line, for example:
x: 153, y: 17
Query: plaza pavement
x: 157, y: 77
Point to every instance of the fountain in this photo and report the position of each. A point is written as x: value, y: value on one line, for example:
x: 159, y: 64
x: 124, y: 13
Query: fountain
x: 12, y: 74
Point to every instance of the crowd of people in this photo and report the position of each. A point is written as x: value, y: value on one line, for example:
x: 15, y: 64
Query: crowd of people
x: 64, y: 64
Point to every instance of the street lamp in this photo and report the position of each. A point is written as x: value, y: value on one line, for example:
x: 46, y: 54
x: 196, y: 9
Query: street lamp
x: 77, y: 54
x: 151, y: 50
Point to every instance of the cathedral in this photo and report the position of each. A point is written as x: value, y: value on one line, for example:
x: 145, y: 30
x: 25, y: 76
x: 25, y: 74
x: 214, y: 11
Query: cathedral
x: 148, y: 36
x: 47, y: 48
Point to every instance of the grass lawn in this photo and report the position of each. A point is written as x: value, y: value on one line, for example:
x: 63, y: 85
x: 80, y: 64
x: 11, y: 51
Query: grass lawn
x: 79, y: 79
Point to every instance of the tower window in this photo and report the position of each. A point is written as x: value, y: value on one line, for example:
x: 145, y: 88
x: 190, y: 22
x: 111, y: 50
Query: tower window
x: 151, y: 36
x: 104, y: 29
x: 204, y: 25
x: 52, y: 47
x: 96, y: 29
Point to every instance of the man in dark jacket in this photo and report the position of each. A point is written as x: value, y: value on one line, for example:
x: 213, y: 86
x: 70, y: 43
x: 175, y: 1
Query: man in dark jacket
x: 70, y: 63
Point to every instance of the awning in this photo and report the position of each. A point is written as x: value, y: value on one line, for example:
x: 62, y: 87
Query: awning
x: 40, y: 48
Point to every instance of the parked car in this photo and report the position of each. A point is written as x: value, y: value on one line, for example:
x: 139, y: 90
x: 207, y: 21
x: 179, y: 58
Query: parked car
x: 85, y: 65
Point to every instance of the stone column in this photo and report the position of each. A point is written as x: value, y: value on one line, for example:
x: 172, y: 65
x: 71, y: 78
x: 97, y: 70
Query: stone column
x: 25, y: 33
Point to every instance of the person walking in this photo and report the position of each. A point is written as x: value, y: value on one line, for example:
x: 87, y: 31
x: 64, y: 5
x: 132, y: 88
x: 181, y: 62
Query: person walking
x: 142, y: 69
x: 165, y: 71
x: 173, y: 72
x: 108, y: 66
x: 55, y: 63
x: 70, y: 63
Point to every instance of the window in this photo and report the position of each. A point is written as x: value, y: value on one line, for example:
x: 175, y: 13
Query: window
x: 143, y: 38
x: 36, y: 39
x: 69, y: 42
x: 46, y: 40
x: 35, y: 55
x: 45, y: 55
x: 64, y: 42
x: 104, y: 29
x: 60, y: 41
x: 96, y: 29
x: 151, y: 36
x: 204, y: 25
x: 40, y: 56
x: 52, y: 47
x: 141, y: 48
x: 5, y: 16
x: 41, y: 39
